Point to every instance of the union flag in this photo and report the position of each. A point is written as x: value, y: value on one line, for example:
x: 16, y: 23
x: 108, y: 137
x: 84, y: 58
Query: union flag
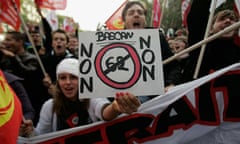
x: 114, y: 22
x: 9, y: 10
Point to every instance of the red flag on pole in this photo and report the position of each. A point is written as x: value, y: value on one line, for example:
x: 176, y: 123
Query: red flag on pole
x: 9, y: 13
x: 52, y: 4
x: 68, y: 24
x: 114, y: 22
x: 185, y: 6
x: 156, y: 13
x: 10, y: 113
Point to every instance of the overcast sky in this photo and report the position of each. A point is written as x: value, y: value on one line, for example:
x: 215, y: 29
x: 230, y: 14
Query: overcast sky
x: 88, y: 13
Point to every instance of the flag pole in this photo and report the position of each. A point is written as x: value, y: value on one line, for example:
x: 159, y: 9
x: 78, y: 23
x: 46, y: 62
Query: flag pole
x: 197, y: 45
x: 209, y: 24
x: 30, y: 39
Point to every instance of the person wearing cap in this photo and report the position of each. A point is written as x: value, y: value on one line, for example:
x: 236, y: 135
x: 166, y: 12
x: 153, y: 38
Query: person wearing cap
x: 66, y: 110
x: 220, y: 52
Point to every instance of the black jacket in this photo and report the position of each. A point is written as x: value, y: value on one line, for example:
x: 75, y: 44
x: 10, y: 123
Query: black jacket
x: 21, y: 93
x: 218, y: 54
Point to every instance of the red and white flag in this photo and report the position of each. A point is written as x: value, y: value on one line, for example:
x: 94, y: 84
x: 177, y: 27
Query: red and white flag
x: 114, y: 22
x: 52, y: 20
x: 68, y: 24
x: 52, y: 4
x: 156, y: 14
x: 185, y: 6
x: 9, y: 10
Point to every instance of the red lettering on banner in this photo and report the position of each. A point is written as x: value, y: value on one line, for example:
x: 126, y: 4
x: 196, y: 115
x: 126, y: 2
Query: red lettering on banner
x: 203, y: 110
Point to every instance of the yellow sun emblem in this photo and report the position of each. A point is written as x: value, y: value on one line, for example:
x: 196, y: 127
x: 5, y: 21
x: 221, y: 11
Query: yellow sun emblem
x: 6, y: 101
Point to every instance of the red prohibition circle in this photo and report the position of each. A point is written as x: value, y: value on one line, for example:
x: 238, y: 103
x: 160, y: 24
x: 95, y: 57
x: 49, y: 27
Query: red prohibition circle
x: 137, y: 66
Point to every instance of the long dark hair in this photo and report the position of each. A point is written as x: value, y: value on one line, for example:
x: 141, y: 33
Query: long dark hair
x: 61, y: 103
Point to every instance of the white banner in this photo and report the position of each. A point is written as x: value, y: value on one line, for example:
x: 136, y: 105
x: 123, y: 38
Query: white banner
x: 203, y: 111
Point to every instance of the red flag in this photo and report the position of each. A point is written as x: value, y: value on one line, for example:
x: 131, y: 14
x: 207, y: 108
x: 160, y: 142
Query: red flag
x: 185, y: 6
x: 9, y: 13
x: 115, y: 22
x: 68, y: 24
x: 10, y: 113
x: 52, y: 4
x: 156, y: 13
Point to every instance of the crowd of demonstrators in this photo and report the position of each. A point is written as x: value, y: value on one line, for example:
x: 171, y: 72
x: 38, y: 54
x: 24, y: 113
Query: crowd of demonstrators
x: 51, y: 91
x: 40, y: 35
x: 16, y: 84
x: 18, y: 61
x: 59, y: 52
x: 66, y: 110
x: 220, y: 52
x: 35, y: 33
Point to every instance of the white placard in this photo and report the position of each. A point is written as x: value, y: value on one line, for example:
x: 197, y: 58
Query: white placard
x: 120, y: 61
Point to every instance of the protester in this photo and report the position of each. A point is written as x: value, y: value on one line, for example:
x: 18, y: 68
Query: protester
x: 18, y: 88
x: 18, y: 61
x: 41, y: 35
x: 179, y: 44
x: 134, y: 17
x: 171, y: 43
x: 59, y: 43
x: 220, y: 52
x: 15, y: 83
x: 36, y: 37
x: 73, y: 45
x: 47, y: 32
x: 66, y: 110
x: 15, y: 58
